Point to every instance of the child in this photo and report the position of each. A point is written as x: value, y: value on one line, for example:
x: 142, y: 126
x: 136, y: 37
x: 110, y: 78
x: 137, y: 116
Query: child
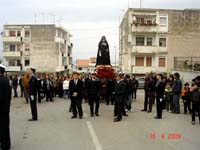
x: 186, y: 96
x: 195, y: 102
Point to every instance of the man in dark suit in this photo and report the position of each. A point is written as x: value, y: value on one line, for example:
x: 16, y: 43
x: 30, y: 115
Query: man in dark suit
x: 75, y: 92
x: 33, y: 94
x: 160, y: 90
x: 5, y: 98
x: 120, y: 90
x: 93, y: 89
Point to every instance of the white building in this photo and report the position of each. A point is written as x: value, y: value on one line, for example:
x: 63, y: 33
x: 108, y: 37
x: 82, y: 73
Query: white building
x: 45, y: 47
x: 156, y: 40
x: 143, y: 41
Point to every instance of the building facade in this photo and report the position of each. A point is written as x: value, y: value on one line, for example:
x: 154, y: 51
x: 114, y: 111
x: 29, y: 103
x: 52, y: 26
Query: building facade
x: 150, y: 39
x: 45, y: 47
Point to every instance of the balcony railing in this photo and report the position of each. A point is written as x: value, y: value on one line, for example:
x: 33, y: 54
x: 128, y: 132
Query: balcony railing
x: 12, y: 39
x: 148, y: 49
x: 11, y: 53
x: 13, y: 68
x: 187, y: 63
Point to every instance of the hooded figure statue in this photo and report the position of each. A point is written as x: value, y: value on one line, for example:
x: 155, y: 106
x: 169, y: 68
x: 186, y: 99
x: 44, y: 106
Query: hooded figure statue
x: 103, y: 56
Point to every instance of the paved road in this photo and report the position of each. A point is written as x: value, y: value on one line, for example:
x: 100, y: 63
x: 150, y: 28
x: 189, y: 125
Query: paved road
x: 56, y: 131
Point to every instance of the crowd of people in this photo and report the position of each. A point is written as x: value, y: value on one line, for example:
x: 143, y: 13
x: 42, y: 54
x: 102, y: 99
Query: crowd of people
x: 163, y: 91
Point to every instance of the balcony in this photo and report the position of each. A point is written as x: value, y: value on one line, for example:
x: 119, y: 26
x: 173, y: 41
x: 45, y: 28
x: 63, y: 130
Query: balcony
x: 147, y: 28
x: 12, y: 39
x: 144, y: 69
x: 60, y: 40
x: 144, y: 49
x: 11, y: 54
x: 26, y: 53
x: 13, y: 68
x: 148, y: 49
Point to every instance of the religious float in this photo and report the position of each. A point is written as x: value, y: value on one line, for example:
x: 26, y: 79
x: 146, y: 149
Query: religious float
x: 103, y: 66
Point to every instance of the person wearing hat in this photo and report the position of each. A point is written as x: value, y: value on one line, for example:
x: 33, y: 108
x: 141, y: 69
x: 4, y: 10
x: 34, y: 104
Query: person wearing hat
x: 160, y: 90
x: 33, y: 94
x: 93, y: 89
x: 5, y: 98
x: 76, y: 95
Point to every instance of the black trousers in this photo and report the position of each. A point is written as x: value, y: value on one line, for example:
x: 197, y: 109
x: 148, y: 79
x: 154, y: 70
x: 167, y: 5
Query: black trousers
x: 195, y: 108
x: 38, y: 96
x: 15, y: 91
x: 148, y: 99
x: 93, y: 100
x: 5, y: 131
x: 49, y: 95
x: 119, y: 109
x: 33, y: 104
x: 134, y: 94
x: 159, y: 107
x: 76, y: 104
x: 22, y: 91
x: 187, y: 105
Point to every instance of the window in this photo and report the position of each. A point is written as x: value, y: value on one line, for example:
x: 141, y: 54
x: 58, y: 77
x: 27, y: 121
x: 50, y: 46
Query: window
x: 148, y: 61
x: 27, y: 33
x: 12, y: 33
x: 149, y: 22
x: 149, y: 41
x: 163, y: 21
x: 139, y: 61
x: 18, y: 63
x: 27, y: 49
x: 139, y: 41
x: 12, y: 48
x: 27, y: 62
x: 18, y: 33
x: 18, y: 47
x: 11, y: 62
x: 162, y: 42
x: 161, y: 62
x: 80, y: 68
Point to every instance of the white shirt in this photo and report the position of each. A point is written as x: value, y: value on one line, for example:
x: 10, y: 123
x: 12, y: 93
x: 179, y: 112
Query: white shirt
x: 66, y: 85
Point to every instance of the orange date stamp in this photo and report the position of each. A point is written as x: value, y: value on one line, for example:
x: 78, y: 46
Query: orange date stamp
x: 169, y: 136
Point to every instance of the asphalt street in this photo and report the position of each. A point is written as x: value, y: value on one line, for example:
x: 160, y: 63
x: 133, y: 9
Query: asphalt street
x: 55, y: 130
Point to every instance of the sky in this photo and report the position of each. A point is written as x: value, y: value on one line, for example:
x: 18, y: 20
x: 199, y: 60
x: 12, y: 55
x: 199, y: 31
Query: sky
x: 86, y: 20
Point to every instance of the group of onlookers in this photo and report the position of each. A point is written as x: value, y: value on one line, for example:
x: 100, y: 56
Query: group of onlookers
x: 167, y: 91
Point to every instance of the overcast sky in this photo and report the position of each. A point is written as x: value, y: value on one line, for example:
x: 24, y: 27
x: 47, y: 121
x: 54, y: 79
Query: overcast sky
x: 87, y: 20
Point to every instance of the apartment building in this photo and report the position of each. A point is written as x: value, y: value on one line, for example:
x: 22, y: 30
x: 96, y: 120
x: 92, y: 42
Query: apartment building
x: 150, y: 39
x: 47, y: 47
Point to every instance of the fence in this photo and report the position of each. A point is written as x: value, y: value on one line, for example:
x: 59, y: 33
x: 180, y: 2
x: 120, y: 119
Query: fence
x: 187, y: 63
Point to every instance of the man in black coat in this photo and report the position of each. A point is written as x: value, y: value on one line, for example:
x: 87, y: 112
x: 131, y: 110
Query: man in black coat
x: 33, y: 94
x: 160, y: 90
x: 75, y: 92
x: 5, y: 98
x: 176, y: 90
x: 120, y: 91
x: 93, y: 89
x: 149, y: 93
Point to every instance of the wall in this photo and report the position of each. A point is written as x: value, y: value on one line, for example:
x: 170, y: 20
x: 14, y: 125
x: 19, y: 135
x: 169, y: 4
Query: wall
x: 184, y: 35
x: 44, y: 55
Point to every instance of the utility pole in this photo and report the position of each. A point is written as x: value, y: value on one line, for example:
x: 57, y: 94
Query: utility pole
x: 128, y: 4
x: 140, y: 3
x: 115, y: 57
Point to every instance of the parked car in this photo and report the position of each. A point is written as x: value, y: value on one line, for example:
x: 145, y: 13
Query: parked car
x: 141, y: 81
